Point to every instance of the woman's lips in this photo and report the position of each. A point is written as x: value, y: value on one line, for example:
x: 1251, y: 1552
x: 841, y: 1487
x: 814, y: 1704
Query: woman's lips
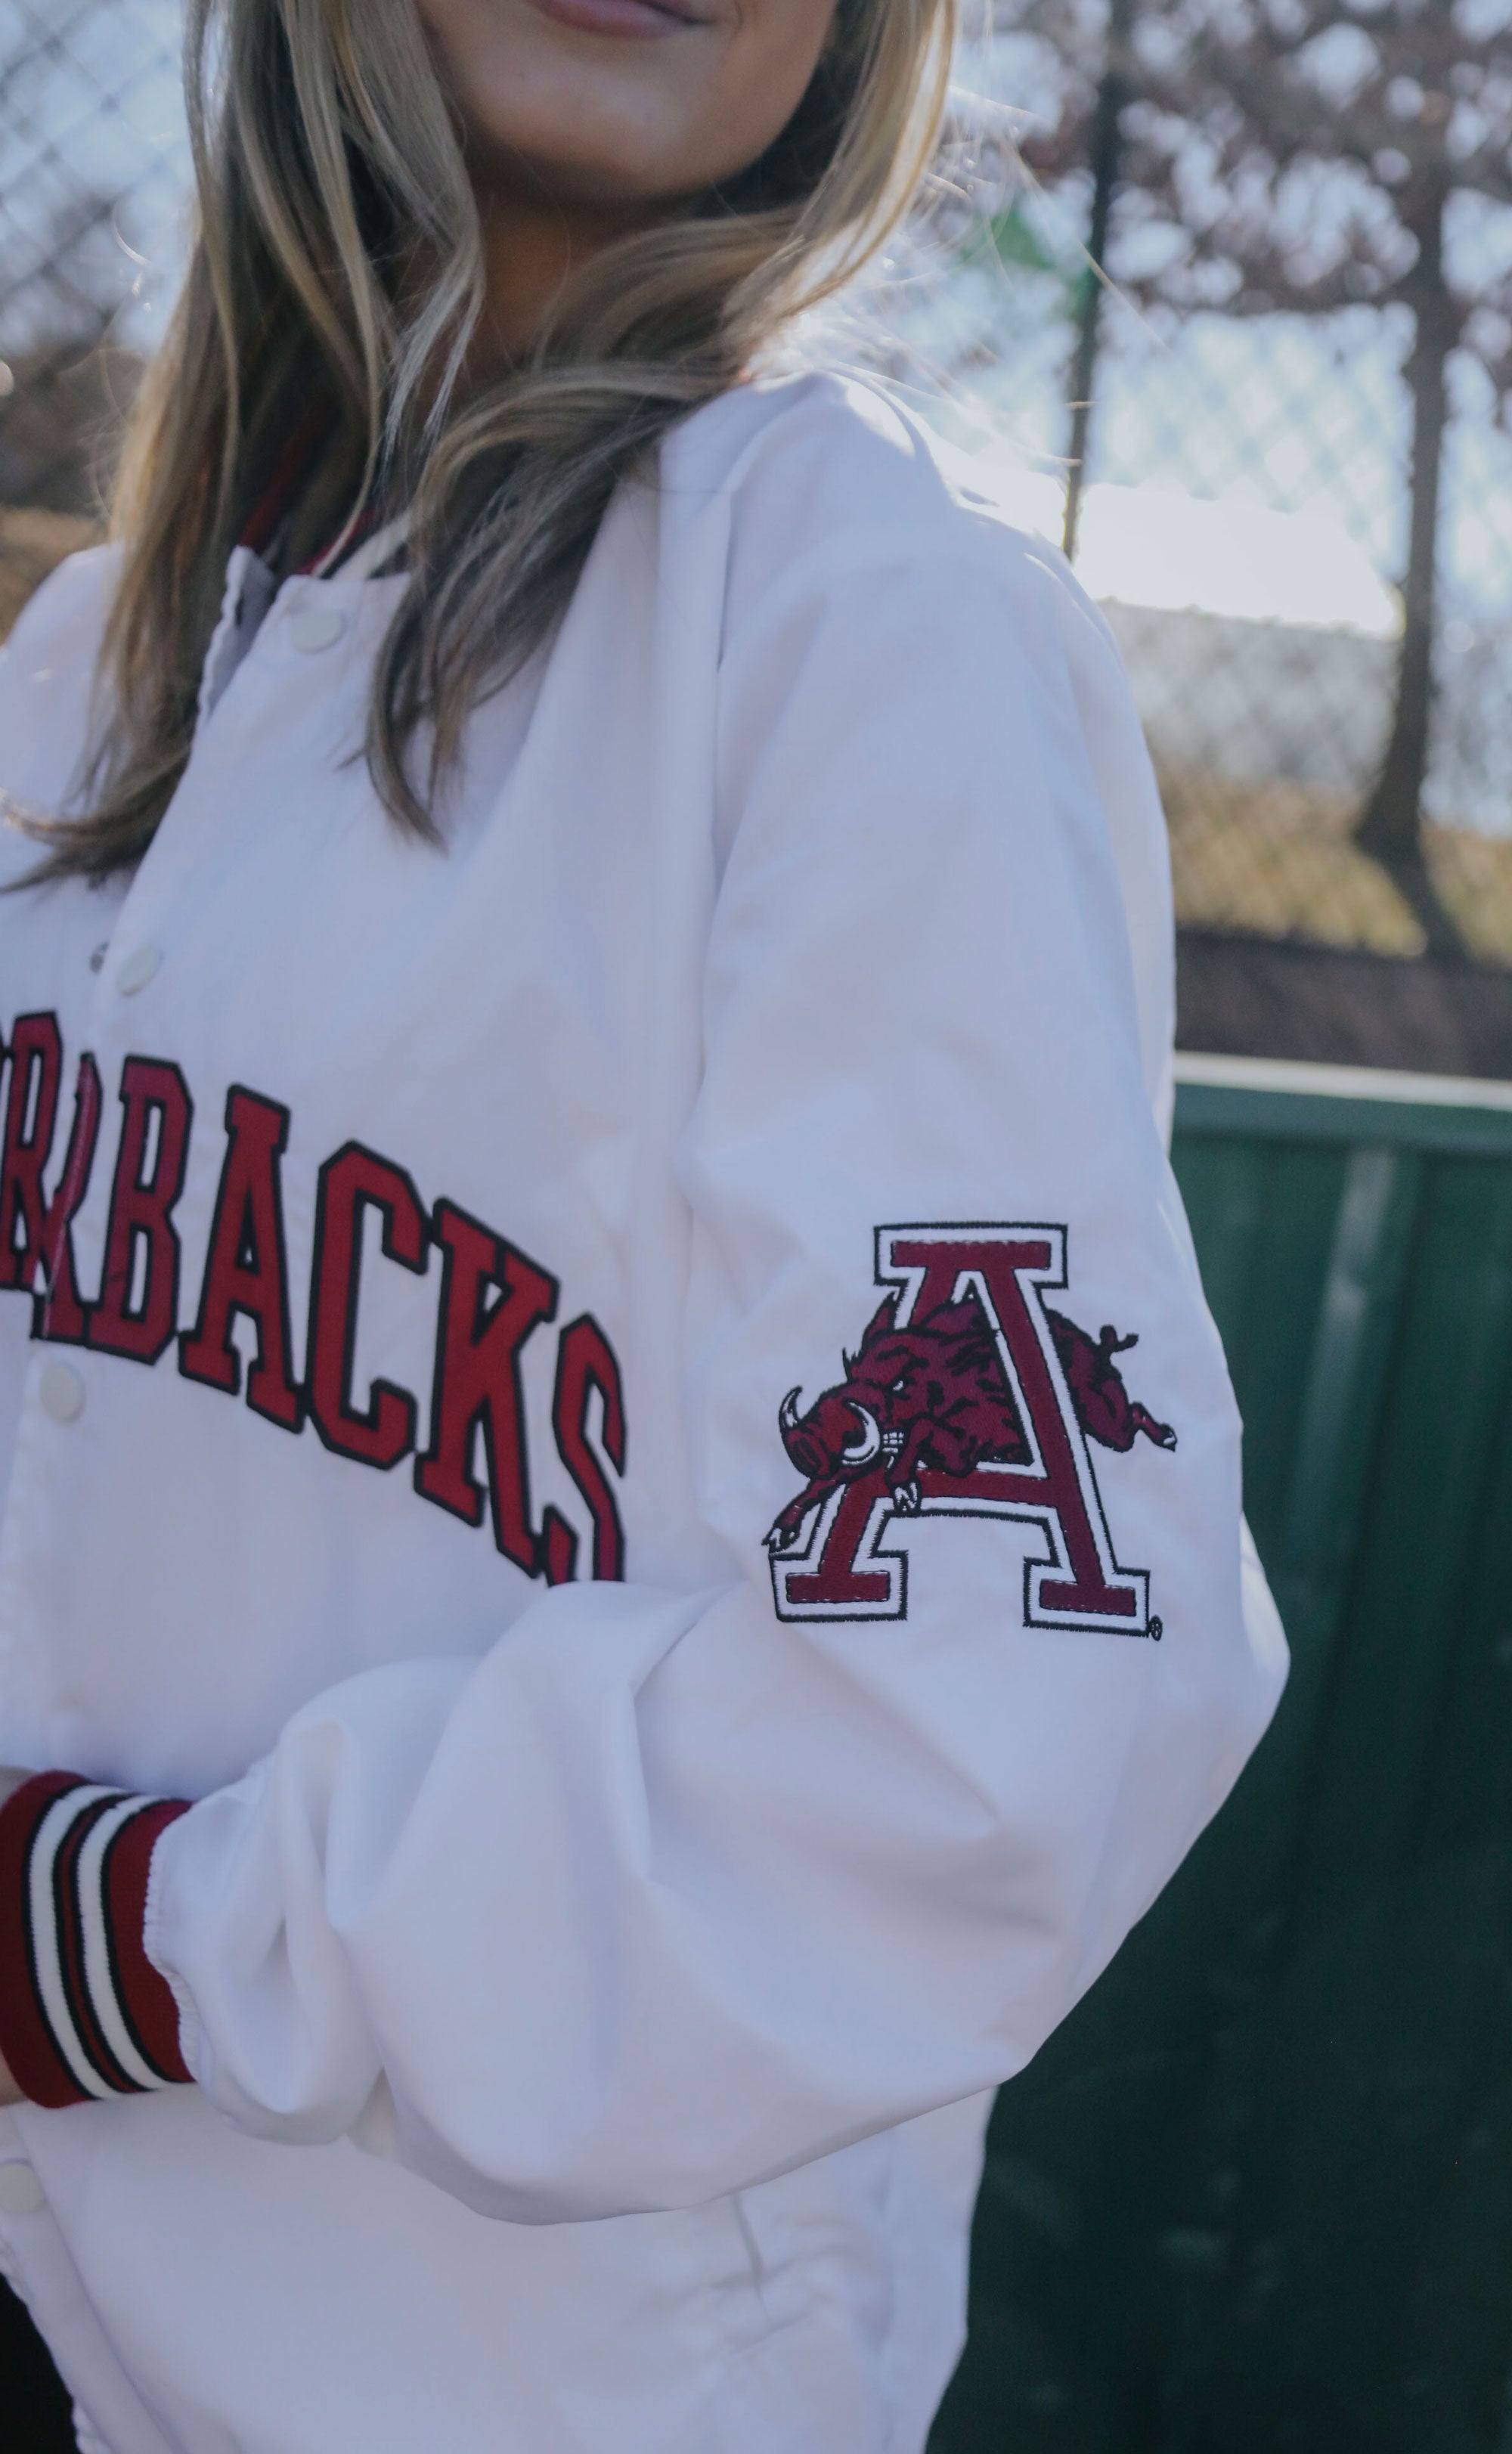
x: 637, y: 19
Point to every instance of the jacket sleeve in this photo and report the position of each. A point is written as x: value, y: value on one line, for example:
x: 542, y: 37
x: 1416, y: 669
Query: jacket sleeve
x: 677, y: 1888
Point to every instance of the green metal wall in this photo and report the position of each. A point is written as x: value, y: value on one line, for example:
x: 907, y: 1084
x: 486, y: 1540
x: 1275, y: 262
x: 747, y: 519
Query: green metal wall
x: 1257, y: 2193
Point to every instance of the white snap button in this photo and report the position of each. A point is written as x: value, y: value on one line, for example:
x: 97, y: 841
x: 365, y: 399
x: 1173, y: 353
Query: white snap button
x: 21, y: 2193
x: 138, y: 969
x: 97, y: 958
x: 313, y: 628
x: 61, y: 1392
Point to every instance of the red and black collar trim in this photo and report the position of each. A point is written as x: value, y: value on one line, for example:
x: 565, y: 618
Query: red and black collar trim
x: 292, y: 473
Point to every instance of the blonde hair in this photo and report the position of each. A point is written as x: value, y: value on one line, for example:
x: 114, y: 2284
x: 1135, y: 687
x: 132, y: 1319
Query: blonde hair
x: 328, y: 168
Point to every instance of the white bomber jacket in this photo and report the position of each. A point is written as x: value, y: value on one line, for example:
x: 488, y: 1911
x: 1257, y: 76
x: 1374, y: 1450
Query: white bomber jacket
x: 639, y: 1813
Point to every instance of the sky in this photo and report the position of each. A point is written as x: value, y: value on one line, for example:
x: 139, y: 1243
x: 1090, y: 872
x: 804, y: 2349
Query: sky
x: 1158, y: 546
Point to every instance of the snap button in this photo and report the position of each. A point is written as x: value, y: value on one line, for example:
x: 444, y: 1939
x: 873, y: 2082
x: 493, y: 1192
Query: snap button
x: 97, y: 958
x: 138, y: 969
x: 314, y: 628
x: 62, y: 1392
x: 21, y: 2193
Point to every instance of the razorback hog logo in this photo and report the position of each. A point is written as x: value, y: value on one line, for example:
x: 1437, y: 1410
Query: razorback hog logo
x: 968, y: 1396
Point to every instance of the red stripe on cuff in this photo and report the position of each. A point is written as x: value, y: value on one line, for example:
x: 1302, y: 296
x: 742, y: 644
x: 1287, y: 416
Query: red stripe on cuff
x: 146, y: 1999
x: 26, y: 2040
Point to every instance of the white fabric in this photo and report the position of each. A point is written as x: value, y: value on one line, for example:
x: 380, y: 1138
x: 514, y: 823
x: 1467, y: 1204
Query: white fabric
x: 596, y: 1992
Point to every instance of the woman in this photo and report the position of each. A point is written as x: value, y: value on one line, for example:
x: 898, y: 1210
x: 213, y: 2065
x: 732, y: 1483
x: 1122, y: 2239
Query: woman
x: 580, y: 883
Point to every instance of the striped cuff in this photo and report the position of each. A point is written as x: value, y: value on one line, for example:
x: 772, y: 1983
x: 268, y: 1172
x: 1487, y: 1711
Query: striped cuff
x: 83, y: 2012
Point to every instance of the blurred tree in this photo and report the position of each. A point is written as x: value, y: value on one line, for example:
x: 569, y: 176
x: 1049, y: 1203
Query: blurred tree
x: 62, y: 408
x: 66, y: 385
x: 1301, y: 157
x: 66, y: 391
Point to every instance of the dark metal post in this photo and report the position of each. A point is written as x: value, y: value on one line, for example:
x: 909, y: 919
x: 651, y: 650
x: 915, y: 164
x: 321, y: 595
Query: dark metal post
x: 1107, y: 148
x: 1390, y: 827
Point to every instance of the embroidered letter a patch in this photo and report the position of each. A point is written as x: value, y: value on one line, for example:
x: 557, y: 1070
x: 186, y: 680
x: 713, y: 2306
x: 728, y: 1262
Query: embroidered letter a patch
x: 969, y: 1395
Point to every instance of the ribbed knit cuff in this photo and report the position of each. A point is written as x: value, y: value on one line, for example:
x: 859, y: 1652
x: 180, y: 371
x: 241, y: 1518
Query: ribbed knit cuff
x: 83, y: 2012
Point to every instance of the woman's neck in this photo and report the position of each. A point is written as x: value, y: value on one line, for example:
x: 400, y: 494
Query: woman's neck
x: 532, y: 245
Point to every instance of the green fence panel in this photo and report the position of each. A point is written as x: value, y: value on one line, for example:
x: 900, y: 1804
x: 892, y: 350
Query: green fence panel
x: 1255, y: 2194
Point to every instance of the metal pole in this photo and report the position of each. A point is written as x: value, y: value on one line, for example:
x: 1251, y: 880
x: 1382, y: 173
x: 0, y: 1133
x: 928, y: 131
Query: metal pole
x: 1107, y: 148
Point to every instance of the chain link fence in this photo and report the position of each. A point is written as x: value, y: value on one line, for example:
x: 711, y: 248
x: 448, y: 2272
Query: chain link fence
x: 1244, y: 523
x: 1293, y: 462
x: 1246, y: 498
x: 1270, y: 695
x: 93, y: 178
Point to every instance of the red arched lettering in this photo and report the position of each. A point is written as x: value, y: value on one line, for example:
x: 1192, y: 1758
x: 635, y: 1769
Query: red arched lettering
x: 36, y: 1070
x: 477, y: 1379
x: 137, y: 1311
x: 355, y: 1181
x: 247, y: 1269
x: 585, y: 1364
x: 57, y: 1312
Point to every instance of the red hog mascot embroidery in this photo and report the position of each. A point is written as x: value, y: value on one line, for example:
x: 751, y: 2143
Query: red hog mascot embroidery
x: 978, y: 1403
